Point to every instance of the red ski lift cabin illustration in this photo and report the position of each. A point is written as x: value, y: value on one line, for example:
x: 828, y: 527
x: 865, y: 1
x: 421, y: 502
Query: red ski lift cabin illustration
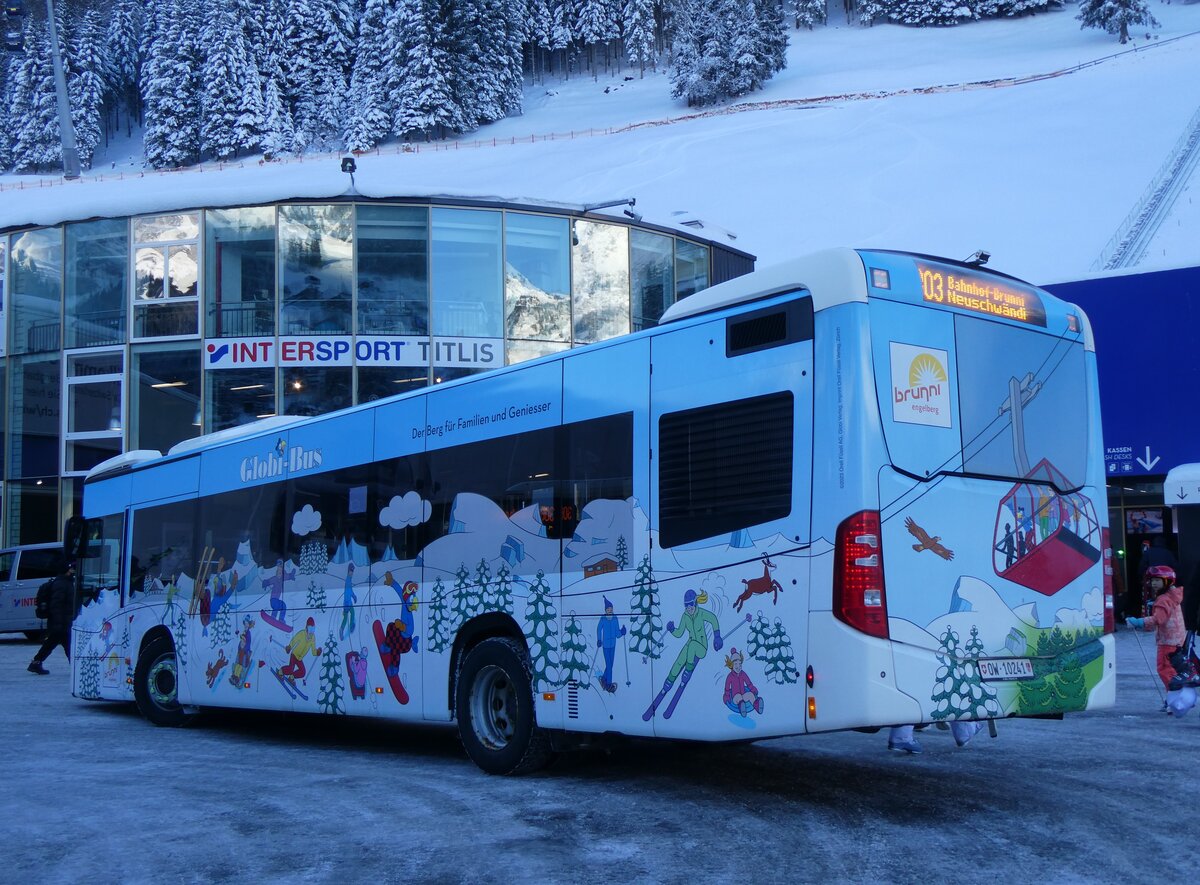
x: 1043, y: 538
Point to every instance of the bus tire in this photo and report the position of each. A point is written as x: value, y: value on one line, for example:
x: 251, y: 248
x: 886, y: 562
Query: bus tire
x: 494, y: 706
x: 156, y: 685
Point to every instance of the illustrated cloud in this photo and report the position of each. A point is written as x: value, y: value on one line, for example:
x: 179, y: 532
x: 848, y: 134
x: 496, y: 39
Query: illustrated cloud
x: 406, y: 510
x: 306, y: 520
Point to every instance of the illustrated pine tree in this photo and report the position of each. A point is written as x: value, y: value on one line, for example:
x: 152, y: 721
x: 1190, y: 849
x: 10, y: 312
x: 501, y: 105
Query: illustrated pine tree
x: 959, y: 691
x: 479, y: 594
x: 89, y: 677
x: 181, y: 643
x: 314, y: 560
x: 439, y: 618
x: 575, y: 663
x: 1070, y: 689
x: 778, y: 656
x: 463, y: 594
x: 501, y: 598
x: 757, y: 642
x: 221, y: 628
x: 332, y: 689
x: 622, y: 553
x: 645, y: 622
x: 541, y: 619
x: 1035, y: 695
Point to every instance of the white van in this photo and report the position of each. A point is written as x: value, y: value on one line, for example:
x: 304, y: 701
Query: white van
x: 22, y: 571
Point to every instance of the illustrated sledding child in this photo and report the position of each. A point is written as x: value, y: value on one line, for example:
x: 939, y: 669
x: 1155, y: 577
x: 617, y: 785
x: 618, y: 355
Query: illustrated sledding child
x: 741, y: 695
x: 1166, y: 618
x: 241, y: 662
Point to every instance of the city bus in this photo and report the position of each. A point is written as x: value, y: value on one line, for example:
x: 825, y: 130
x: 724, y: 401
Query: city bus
x: 860, y: 489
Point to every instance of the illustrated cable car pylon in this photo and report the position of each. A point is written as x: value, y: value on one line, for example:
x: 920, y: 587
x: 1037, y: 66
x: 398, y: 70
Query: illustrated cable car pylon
x: 1043, y: 539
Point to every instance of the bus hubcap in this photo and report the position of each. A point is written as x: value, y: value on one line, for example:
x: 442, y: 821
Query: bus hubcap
x: 162, y: 682
x: 493, y: 708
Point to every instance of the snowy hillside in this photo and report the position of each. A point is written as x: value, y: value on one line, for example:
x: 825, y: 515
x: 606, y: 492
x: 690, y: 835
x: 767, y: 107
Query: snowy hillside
x: 1030, y: 138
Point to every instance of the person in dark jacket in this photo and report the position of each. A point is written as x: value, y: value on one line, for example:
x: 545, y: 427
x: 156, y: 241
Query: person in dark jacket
x: 58, y: 624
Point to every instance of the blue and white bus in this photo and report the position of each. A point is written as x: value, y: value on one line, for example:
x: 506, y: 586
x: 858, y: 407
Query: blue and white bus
x: 860, y: 489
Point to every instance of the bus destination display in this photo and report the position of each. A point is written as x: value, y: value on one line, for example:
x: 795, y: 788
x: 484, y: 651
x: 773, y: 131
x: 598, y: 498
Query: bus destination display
x: 979, y: 293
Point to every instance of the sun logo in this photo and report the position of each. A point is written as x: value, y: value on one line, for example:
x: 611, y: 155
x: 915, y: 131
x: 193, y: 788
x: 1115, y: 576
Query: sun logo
x: 925, y: 369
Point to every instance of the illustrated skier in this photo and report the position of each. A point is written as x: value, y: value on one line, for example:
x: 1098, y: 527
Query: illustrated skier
x: 299, y: 647
x: 741, y: 696
x: 275, y: 583
x: 608, y: 631
x: 241, y: 663
x: 348, y: 599
x: 694, y: 622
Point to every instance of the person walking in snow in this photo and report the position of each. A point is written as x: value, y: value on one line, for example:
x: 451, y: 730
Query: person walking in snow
x: 58, y: 624
x: 1165, y: 619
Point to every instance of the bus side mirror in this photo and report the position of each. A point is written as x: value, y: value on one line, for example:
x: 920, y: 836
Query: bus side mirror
x: 74, y: 538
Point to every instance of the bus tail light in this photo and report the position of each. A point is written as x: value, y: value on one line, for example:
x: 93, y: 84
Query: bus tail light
x: 1106, y: 546
x: 859, y: 598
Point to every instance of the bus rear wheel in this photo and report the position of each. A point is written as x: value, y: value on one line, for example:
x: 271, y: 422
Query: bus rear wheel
x: 156, y: 685
x: 494, y: 707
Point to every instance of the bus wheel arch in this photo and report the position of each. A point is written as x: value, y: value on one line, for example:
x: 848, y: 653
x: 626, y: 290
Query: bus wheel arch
x: 156, y: 680
x: 494, y: 706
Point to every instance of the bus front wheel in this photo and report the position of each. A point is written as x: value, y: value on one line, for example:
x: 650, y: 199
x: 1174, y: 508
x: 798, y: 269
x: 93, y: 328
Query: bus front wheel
x: 156, y: 684
x: 494, y: 707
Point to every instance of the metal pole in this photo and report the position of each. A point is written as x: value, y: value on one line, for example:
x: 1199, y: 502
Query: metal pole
x: 66, y: 130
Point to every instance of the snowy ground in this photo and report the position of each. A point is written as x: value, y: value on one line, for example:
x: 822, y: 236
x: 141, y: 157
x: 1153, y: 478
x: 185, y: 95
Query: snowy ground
x: 93, y: 792
x: 856, y: 143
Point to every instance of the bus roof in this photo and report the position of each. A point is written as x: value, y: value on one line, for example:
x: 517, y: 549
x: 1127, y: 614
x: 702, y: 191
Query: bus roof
x: 832, y: 276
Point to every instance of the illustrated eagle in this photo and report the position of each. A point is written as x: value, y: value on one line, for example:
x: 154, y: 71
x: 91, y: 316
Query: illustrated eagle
x: 927, y: 543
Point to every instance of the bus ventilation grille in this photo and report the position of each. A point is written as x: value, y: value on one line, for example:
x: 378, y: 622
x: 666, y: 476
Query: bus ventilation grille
x: 770, y: 327
x: 572, y: 699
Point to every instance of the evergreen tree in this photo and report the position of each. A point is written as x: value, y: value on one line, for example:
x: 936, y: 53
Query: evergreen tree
x: 222, y: 628
x: 541, y: 619
x: 645, y: 619
x: 1070, y: 689
x: 806, y: 13
x: 539, y: 23
x: 37, y: 143
x: 960, y: 692
x: 575, y: 664
x: 440, y: 629
x: 757, y: 643
x: 870, y: 11
x: 332, y: 688
x: 639, y: 36
x: 87, y: 85
x: 622, y: 553
x: 121, y: 40
x: 483, y: 575
x: 319, y: 40
x: 7, y: 121
x: 170, y: 94
x: 369, y: 115
x: 1116, y: 16
x: 1035, y: 696
x: 928, y: 12
x: 425, y: 101
x: 225, y: 74
x: 181, y: 639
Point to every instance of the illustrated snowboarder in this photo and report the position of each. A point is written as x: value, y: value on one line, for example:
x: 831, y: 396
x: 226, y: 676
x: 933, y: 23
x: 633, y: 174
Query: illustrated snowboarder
x: 299, y: 647
x: 241, y: 662
x: 694, y: 622
x: 348, y: 599
x: 608, y: 631
x: 278, y: 606
x: 741, y: 696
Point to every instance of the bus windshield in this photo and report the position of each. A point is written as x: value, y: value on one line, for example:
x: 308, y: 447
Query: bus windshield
x: 101, y: 561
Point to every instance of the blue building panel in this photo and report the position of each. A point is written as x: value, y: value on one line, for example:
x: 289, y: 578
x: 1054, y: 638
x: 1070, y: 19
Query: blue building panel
x: 1145, y: 327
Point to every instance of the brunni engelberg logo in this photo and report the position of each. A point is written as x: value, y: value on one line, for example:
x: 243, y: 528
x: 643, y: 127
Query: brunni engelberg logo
x: 920, y: 385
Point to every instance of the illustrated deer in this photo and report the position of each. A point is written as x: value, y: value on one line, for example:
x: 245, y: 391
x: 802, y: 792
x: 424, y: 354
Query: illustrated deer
x: 754, y: 586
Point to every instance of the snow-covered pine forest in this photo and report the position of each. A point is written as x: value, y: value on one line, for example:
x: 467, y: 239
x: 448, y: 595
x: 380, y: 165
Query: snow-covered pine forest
x: 217, y: 79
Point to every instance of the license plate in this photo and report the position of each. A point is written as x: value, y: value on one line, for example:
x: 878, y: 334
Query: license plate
x: 1005, y: 668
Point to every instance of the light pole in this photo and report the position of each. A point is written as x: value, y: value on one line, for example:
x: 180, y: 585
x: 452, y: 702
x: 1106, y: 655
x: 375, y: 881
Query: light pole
x: 66, y: 130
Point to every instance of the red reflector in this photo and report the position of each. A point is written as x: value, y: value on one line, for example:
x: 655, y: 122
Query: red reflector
x: 1106, y: 545
x: 858, y: 592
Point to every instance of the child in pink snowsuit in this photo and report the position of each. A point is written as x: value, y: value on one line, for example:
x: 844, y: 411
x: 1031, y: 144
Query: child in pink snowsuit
x: 1166, y: 618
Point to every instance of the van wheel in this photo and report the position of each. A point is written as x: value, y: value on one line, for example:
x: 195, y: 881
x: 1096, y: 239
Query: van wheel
x: 156, y: 684
x: 494, y: 706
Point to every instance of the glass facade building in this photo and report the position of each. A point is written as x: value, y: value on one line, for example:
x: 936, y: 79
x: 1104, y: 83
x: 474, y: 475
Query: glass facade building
x: 138, y: 332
